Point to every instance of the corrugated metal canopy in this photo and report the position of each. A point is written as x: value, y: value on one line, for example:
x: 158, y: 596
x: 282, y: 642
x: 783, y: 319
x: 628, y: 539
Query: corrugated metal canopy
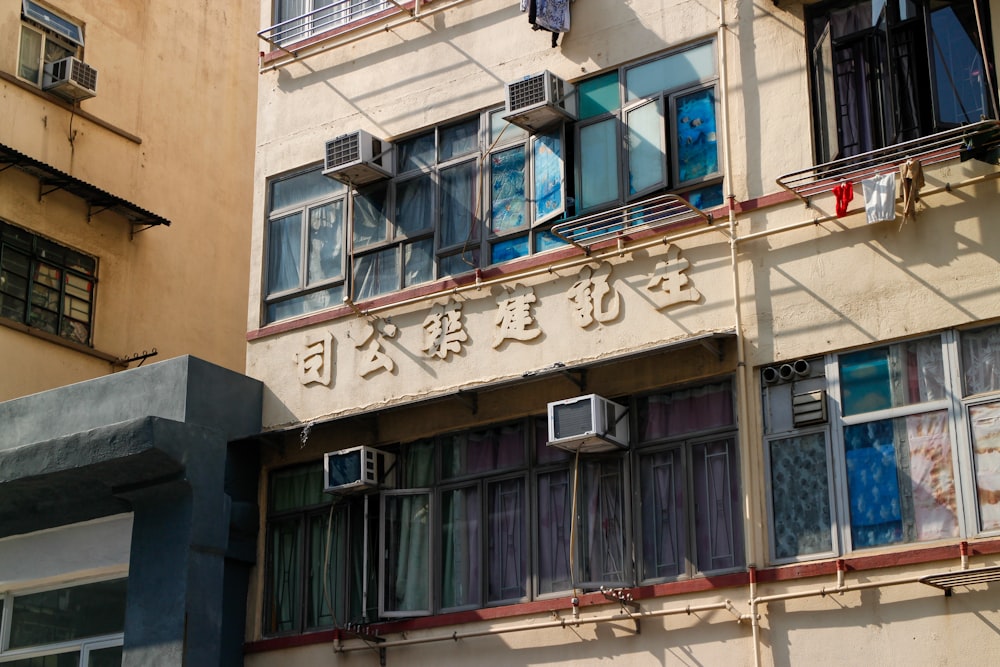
x: 52, y: 179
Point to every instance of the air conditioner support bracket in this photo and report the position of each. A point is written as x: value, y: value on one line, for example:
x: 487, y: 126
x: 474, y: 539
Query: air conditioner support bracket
x: 577, y: 377
x: 470, y: 399
x: 714, y: 346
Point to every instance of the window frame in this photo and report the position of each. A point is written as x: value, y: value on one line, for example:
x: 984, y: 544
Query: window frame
x: 83, y: 646
x: 33, y: 18
x: 31, y: 247
x: 945, y: 399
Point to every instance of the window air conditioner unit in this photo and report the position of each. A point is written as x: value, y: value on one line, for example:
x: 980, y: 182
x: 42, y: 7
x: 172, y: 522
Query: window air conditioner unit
x: 357, y: 158
x: 70, y: 78
x: 357, y: 469
x: 537, y: 101
x: 587, y: 424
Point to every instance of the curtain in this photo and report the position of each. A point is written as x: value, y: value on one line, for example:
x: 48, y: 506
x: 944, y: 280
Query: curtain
x: 800, y: 495
x: 284, y: 253
x: 29, y: 55
x: 407, y: 573
x: 284, y: 575
x: 664, y: 543
x: 507, y: 563
x: 985, y: 421
x: 554, y: 507
x: 935, y: 513
x: 326, y: 233
x: 458, y: 204
x: 461, y: 555
x: 717, y: 520
x: 414, y: 205
x: 601, y: 536
x: 981, y: 360
x: 370, y: 221
x: 376, y: 273
x: 686, y: 410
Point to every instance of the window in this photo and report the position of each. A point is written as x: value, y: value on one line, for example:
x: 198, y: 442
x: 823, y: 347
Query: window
x: 80, y: 626
x: 428, y: 222
x: 310, y: 533
x: 887, y: 71
x: 45, y: 38
x: 305, y: 244
x: 648, y: 128
x: 494, y: 516
x: 298, y: 19
x: 46, y: 285
x: 884, y: 470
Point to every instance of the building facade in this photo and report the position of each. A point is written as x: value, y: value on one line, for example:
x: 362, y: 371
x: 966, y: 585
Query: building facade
x: 125, y: 195
x: 657, y: 331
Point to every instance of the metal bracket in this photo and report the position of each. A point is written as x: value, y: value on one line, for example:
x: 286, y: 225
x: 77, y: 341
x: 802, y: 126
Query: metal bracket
x: 468, y: 398
x: 628, y: 605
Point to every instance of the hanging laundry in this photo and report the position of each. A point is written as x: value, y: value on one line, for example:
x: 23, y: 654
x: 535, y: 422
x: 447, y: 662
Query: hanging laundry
x: 551, y: 15
x: 911, y: 179
x: 844, y: 193
x: 880, y: 197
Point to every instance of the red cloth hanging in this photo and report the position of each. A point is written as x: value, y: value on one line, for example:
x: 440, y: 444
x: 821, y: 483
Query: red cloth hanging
x: 844, y: 192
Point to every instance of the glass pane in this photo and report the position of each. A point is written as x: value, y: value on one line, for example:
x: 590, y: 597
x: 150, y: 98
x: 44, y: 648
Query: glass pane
x: 370, y: 223
x: 306, y: 303
x: 508, y: 206
x: 892, y: 376
x: 459, y: 139
x: 484, y: 450
x: 707, y: 197
x: 326, y: 242
x: 502, y: 130
x: 685, y: 411
x: 546, y: 240
x: 981, y: 360
x: 105, y: 657
x: 646, y: 162
x: 326, y: 554
x: 508, y: 249
x: 697, y: 140
x: 53, y: 22
x: 452, y: 265
x: 302, y: 188
x: 418, y: 262
x: 985, y: 425
x: 554, y: 508
x: 599, y: 95
x: 68, y: 613
x: 601, y: 530
x: 718, y: 523
x: 458, y: 204
x: 418, y: 464
x: 297, y: 488
x: 959, y: 73
x: 407, y: 565
x: 460, y: 548
x: 284, y: 253
x: 30, y: 56
x: 282, y: 612
x: 507, y: 567
x: 800, y: 496
x: 670, y: 72
x: 415, y: 153
x: 70, y: 659
x: 664, y: 529
x: 414, y: 206
x: 376, y: 273
x: 889, y: 505
x: 598, y: 164
x: 547, y: 160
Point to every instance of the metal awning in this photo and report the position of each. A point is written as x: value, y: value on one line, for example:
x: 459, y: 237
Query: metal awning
x: 949, y: 580
x: 651, y: 214
x: 51, y: 179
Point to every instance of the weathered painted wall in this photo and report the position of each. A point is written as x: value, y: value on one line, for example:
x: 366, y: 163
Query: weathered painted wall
x: 178, y: 84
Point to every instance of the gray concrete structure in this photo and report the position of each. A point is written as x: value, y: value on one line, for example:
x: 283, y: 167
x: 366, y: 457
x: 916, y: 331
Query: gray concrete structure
x: 164, y: 442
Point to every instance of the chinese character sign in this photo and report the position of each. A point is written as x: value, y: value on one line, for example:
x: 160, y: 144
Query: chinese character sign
x: 514, y: 319
x: 372, y: 356
x: 315, y: 361
x: 592, y: 297
x: 668, y: 284
x: 443, y: 331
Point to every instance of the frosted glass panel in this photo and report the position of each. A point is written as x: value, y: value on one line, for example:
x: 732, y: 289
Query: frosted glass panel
x: 800, y: 496
x: 598, y: 164
x: 645, y: 147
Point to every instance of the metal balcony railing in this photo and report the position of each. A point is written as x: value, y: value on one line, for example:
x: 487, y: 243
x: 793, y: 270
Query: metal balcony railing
x: 626, y: 221
x: 932, y: 149
x: 351, y: 13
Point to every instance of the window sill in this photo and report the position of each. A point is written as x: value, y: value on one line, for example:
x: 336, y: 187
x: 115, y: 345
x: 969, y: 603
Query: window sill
x: 785, y: 573
x: 58, y: 101
x: 58, y: 340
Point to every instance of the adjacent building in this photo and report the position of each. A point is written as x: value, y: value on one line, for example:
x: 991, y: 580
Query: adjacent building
x: 665, y: 332
x: 125, y: 193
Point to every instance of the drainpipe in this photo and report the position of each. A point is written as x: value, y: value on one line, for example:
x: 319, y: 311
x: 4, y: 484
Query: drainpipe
x: 754, y: 616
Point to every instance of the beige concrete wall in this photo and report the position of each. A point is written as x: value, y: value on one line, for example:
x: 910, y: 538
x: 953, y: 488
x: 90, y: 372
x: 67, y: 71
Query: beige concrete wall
x: 179, y: 83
